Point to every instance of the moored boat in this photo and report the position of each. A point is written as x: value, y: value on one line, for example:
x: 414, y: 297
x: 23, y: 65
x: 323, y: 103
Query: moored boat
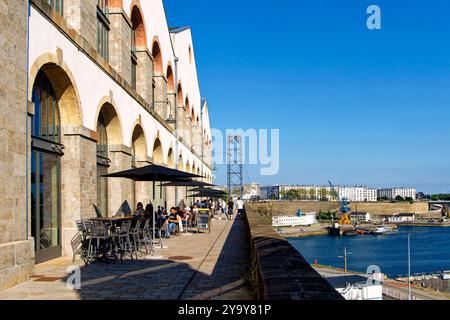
x: 380, y: 230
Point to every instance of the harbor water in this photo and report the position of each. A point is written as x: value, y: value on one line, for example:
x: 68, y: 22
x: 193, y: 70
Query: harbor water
x: 430, y: 251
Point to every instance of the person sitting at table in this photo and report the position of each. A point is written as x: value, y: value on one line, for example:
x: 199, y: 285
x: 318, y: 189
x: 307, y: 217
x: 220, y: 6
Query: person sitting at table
x: 173, y: 220
x: 139, y: 212
x: 148, y: 212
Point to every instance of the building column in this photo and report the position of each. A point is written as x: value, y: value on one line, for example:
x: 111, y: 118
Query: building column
x: 170, y: 194
x: 16, y: 247
x: 119, y: 190
x: 143, y: 188
x: 161, y: 105
x: 78, y: 181
x: 120, y: 42
x: 171, y: 100
x: 144, y: 71
x: 81, y: 15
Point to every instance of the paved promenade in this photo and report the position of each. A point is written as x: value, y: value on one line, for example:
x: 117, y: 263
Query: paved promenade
x: 198, y: 267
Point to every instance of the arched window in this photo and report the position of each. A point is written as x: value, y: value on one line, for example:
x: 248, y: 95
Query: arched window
x: 102, y: 165
x: 46, y: 170
x: 103, y: 29
x: 138, y: 39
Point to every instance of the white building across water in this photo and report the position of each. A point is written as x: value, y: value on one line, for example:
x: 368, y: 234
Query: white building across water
x: 393, y: 193
x: 306, y: 219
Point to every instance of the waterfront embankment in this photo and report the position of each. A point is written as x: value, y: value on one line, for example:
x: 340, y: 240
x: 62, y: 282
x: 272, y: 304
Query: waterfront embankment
x: 282, y: 208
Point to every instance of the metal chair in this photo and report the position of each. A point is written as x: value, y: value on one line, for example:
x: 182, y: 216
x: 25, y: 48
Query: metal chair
x: 77, y: 246
x: 134, y: 235
x: 99, y: 239
x: 145, y: 237
x: 122, y: 236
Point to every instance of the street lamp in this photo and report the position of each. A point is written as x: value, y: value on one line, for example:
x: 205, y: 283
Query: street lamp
x: 409, y: 267
x: 345, y: 256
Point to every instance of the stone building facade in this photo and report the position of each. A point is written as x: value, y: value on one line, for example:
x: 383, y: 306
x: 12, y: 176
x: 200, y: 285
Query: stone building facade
x: 16, y: 245
x: 100, y: 86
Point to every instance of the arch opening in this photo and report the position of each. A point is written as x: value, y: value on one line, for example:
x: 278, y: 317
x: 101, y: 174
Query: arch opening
x: 157, y: 58
x: 170, y: 80
x: 157, y: 152
x: 139, y: 37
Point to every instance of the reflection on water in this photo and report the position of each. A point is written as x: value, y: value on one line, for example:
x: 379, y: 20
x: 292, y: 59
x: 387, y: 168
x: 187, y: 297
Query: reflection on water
x: 430, y: 250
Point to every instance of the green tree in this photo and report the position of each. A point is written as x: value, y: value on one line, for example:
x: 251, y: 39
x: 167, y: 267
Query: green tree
x: 312, y: 194
x: 323, y: 194
x: 399, y: 198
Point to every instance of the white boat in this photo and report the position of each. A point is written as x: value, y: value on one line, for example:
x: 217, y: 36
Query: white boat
x: 380, y: 230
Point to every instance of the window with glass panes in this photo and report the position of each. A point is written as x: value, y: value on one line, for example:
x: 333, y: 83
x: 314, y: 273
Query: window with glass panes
x: 103, y: 29
x: 133, y: 58
x: 102, y: 165
x: 57, y: 5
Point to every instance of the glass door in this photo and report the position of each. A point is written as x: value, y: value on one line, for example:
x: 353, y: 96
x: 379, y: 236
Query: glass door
x: 45, y: 205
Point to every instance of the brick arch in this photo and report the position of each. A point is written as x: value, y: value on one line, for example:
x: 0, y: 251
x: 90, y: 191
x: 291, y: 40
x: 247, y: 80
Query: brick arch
x: 115, y: 4
x: 107, y: 101
x: 181, y: 165
x: 186, y: 103
x: 113, y: 123
x: 170, y: 159
x: 170, y: 79
x: 139, y: 142
x: 138, y: 24
x: 157, y: 57
x: 180, y: 95
x: 64, y: 85
x: 158, y: 152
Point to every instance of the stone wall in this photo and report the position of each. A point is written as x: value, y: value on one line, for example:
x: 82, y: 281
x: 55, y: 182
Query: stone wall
x: 78, y: 180
x: 16, y: 247
x: 120, y: 42
x: 144, y: 71
x: 277, y: 208
x: 81, y: 15
x: 278, y: 271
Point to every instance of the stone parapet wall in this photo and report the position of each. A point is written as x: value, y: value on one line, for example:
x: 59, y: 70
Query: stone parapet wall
x: 278, y: 271
x: 282, y: 208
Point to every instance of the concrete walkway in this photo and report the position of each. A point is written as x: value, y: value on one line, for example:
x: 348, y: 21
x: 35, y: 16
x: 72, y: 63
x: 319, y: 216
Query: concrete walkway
x: 198, y: 267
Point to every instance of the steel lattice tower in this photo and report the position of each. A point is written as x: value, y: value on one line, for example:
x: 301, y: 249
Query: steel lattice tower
x: 234, y: 164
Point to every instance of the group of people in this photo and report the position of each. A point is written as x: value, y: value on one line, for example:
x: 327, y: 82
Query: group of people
x: 168, y: 221
x: 227, y: 208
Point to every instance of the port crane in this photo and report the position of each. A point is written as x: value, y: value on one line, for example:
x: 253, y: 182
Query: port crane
x: 344, y: 208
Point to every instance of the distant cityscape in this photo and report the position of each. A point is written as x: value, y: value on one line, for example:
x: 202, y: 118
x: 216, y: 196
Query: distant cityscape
x: 327, y: 193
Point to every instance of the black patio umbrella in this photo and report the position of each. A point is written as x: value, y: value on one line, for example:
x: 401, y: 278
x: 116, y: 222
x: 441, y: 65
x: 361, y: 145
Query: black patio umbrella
x: 208, y: 190
x: 187, y: 183
x: 206, y: 195
x: 153, y: 173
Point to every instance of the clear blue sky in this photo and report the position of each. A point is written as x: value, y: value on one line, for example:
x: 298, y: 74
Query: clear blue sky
x: 354, y: 106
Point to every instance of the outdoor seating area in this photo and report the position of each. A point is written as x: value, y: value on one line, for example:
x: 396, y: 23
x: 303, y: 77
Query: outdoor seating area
x: 110, y: 239
x: 133, y: 234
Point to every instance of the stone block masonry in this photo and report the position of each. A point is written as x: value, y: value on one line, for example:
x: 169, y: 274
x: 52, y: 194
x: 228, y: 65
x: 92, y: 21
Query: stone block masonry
x: 16, y: 248
x: 81, y: 16
x: 279, y: 272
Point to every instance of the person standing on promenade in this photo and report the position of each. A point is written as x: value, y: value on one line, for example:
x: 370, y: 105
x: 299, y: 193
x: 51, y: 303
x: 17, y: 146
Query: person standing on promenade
x: 240, y: 207
x: 230, y: 208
